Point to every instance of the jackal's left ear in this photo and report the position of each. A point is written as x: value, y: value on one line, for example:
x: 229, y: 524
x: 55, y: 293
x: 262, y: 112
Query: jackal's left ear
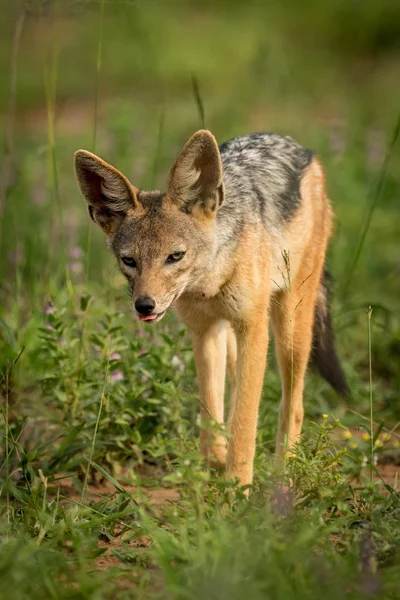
x: 195, y: 178
x: 108, y: 192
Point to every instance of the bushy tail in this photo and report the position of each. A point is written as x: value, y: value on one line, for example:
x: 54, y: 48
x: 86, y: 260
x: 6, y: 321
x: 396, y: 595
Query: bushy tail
x: 323, y: 355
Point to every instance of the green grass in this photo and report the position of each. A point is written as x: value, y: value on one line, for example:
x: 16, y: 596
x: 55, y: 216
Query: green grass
x: 96, y: 412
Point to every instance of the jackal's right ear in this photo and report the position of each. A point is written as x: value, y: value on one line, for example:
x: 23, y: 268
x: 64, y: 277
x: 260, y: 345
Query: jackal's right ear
x: 108, y: 193
x: 195, y: 178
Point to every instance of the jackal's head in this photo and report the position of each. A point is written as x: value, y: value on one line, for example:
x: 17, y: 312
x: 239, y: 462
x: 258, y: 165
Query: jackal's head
x: 164, y: 242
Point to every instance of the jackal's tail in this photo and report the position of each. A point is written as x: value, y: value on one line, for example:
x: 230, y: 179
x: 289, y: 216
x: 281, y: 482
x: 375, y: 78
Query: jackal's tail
x: 323, y: 355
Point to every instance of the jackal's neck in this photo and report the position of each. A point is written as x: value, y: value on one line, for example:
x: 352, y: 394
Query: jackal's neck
x: 216, y: 270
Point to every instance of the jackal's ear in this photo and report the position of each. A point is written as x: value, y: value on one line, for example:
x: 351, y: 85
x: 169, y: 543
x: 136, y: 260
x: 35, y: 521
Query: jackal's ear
x: 108, y: 193
x: 195, y: 178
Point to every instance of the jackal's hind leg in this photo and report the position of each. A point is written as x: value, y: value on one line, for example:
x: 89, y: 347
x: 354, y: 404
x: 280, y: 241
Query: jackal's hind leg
x: 292, y: 317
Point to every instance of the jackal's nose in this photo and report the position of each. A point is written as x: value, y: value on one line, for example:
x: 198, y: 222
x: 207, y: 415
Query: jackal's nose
x: 145, y: 305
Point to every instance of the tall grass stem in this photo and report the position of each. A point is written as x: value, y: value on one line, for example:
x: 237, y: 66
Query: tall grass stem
x: 199, y: 101
x: 371, y: 410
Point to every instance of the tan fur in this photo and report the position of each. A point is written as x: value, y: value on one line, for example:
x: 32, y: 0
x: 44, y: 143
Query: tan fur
x: 278, y: 278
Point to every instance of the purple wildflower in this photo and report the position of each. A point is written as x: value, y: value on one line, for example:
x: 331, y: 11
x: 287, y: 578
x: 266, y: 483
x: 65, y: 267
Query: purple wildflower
x: 176, y: 362
x: 116, y: 376
x: 48, y: 309
x: 115, y: 356
x: 75, y: 253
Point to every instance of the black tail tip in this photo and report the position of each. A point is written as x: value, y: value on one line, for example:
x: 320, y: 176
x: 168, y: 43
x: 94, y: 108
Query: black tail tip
x: 326, y: 362
x: 323, y: 355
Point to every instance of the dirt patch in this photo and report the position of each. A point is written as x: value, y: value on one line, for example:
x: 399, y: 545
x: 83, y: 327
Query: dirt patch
x: 112, y: 547
x: 390, y: 473
x: 125, y: 551
x: 104, y: 489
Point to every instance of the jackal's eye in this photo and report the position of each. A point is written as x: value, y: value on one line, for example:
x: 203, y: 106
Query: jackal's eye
x: 129, y: 261
x: 175, y: 257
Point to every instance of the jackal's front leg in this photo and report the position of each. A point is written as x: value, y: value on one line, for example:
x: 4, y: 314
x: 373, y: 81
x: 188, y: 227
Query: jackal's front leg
x: 210, y: 343
x: 252, y: 355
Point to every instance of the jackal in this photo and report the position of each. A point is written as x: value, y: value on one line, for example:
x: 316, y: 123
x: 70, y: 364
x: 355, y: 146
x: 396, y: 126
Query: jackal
x: 238, y: 239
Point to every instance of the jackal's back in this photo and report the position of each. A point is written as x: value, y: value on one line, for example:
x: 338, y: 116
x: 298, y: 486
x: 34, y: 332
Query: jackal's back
x: 262, y: 174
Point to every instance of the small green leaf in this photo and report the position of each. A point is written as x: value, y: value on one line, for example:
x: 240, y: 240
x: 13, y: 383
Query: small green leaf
x: 378, y: 431
x: 85, y: 300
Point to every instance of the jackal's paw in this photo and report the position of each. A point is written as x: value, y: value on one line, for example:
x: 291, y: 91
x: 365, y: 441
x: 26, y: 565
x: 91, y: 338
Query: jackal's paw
x: 214, y: 451
x: 240, y: 470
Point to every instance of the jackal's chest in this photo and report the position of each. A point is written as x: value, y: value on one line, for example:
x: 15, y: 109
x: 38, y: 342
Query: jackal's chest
x: 231, y: 303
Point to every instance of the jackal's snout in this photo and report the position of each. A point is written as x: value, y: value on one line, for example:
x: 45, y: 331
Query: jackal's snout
x: 145, y: 305
x: 147, y: 310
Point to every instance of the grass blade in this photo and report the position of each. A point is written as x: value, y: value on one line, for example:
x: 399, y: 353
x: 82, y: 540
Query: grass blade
x: 198, y: 100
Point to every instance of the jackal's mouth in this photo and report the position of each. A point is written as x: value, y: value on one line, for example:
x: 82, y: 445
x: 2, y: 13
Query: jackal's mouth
x: 153, y: 318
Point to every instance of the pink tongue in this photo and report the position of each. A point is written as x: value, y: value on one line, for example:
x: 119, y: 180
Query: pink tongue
x: 147, y: 317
